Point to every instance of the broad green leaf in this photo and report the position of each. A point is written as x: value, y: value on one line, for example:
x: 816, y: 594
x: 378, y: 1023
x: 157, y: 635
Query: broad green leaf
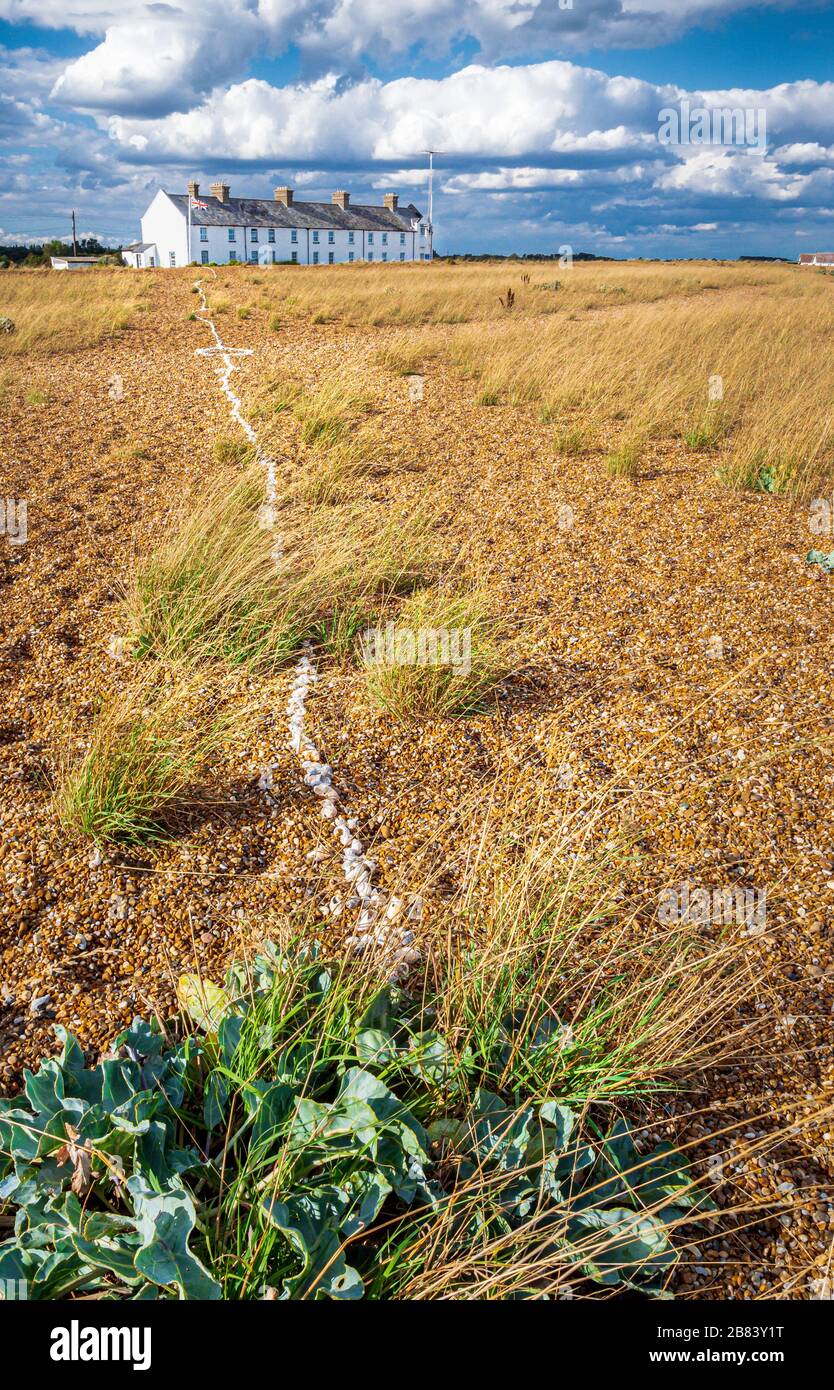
x: 165, y: 1220
x: 204, y: 1002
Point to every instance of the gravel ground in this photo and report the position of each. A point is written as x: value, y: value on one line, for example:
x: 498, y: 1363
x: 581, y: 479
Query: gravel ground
x: 672, y: 637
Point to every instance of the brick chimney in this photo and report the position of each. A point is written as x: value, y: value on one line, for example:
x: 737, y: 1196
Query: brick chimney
x: 193, y: 189
x: 220, y: 191
x: 390, y: 200
x: 284, y: 195
x: 340, y: 198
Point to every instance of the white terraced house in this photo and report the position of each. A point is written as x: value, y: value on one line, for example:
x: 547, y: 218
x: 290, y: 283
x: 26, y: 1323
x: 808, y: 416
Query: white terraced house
x: 182, y: 228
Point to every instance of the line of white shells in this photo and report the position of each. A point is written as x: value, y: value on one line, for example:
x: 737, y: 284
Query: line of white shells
x: 382, y: 923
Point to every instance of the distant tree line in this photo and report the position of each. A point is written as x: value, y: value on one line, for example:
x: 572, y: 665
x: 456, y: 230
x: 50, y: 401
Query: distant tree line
x: 514, y: 256
x: 39, y: 255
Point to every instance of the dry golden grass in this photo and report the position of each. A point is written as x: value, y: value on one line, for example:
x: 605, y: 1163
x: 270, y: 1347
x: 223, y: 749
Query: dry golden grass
x: 449, y: 292
x: 223, y: 586
x: 147, y: 753
x: 643, y: 372
x: 56, y: 311
x: 622, y: 352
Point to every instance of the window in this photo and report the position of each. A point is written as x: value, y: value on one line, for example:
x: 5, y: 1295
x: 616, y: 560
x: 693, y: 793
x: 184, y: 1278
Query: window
x: 270, y: 236
x: 295, y: 256
x: 330, y: 238
x: 151, y: 260
x: 350, y: 255
x: 385, y: 238
x: 204, y: 233
x: 315, y: 238
x: 253, y: 235
x: 233, y: 255
x: 402, y: 255
x: 293, y: 236
x: 370, y: 238
x: 402, y: 238
x: 315, y: 258
x: 204, y: 257
x: 138, y: 260
x: 172, y: 257
x: 231, y: 234
x: 253, y: 256
x: 385, y: 255
x: 350, y: 238
x: 370, y: 255
x: 330, y: 258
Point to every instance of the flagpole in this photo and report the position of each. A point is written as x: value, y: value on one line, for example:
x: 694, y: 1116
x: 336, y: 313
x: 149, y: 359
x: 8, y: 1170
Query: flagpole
x: 188, y: 248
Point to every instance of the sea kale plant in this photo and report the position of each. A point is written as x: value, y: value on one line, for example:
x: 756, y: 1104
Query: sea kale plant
x: 306, y: 1135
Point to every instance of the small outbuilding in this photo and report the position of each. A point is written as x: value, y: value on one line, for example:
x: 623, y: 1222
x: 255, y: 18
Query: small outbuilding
x: 140, y: 255
x: 73, y: 262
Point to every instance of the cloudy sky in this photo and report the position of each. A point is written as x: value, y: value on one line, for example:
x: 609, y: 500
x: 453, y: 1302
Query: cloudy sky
x: 547, y: 113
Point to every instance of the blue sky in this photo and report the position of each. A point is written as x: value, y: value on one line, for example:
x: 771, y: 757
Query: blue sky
x: 548, y: 113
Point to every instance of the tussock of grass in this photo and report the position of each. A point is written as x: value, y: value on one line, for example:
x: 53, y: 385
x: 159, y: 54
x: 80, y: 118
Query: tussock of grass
x: 625, y: 463
x: 439, y: 654
x: 402, y: 357
x: 224, y: 587
x: 327, y: 415
x: 233, y: 448
x: 569, y: 441
x: 211, y: 590
x: 147, y: 751
x: 332, y: 472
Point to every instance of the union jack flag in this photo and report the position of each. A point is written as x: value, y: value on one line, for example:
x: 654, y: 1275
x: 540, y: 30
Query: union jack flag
x: 195, y: 203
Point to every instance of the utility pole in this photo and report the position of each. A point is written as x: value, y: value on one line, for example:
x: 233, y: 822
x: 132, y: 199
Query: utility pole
x: 74, y: 242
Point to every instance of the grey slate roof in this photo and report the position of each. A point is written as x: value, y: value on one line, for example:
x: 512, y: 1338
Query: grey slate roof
x: 139, y: 246
x: 268, y: 212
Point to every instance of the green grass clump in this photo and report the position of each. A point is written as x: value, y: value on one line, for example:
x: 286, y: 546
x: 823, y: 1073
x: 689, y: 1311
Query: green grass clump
x: 438, y: 654
x: 231, y: 449
x: 140, y: 771
x: 569, y: 442
x: 212, y: 591
x: 625, y: 463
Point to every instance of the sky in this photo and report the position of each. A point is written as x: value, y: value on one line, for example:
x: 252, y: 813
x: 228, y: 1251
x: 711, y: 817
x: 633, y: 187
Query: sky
x: 589, y: 124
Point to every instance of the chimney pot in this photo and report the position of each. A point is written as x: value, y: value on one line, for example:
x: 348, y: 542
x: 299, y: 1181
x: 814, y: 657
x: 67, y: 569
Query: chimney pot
x: 193, y: 189
x: 390, y: 200
x: 221, y: 192
x: 284, y: 195
x: 340, y: 198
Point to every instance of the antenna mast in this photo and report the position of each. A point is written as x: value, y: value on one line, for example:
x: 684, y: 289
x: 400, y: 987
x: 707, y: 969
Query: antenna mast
x: 430, y: 224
